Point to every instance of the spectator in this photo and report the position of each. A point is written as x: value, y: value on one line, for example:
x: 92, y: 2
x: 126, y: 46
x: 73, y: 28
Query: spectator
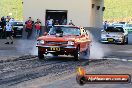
x: 9, y: 31
x: 63, y: 21
x: 12, y: 20
x: 38, y: 27
x: 71, y: 23
x: 1, y: 31
x: 29, y: 27
x: 56, y: 22
x: 49, y: 24
x: 3, y: 24
x: 105, y: 25
x: 8, y: 18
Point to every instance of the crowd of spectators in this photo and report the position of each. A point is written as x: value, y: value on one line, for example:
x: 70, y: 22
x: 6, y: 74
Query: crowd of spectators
x: 6, y: 29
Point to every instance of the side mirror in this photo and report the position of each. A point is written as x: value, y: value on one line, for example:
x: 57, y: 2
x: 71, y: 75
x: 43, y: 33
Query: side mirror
x: 45, y: 33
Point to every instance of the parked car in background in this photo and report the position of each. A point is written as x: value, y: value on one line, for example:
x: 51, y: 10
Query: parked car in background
x: 114, y: 35
x: 18, y: 28
x: 128, y: 27
x: 64, y: 40
x: 1, y: 31
x: 122, y: 23
x: 118, y: 25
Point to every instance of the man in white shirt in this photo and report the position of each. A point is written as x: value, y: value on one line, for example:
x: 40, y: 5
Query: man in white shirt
x: 9, y: 31
x: 49, y: 24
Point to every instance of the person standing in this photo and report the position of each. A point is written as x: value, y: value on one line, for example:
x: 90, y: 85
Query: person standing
x: 63, y: 21
x: 38, y: 27
x: 49, y: 24
x: 105, y: 25
x: 3, y: 24
x: 56, y: 22
x: 9, y: 31
x: 71, y: 23
x: 1, y: 31
x: 29, y: 27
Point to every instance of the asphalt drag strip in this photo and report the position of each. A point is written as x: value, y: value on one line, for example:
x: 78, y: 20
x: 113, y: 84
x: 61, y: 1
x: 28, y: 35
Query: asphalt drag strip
x: 65, y: 76
x: 29, y: 67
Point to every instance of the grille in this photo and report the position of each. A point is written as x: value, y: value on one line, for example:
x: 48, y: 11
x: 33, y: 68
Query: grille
x: 58, y: 43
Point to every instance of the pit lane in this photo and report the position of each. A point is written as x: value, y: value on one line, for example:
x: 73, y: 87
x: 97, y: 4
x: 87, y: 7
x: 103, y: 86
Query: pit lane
x: 25, y: 66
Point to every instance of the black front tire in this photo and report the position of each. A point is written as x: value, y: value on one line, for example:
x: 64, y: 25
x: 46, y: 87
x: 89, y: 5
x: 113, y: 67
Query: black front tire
x: 123, y: 42
x: 40, y: 55
x: 127, y: 40
x: 77, y: 54
x: 55, y: 55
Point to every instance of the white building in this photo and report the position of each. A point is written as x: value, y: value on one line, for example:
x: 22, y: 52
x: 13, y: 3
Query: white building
x: 87, y: 13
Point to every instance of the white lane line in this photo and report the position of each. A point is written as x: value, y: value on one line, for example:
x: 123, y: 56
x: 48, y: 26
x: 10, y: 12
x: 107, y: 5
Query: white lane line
x: 112, y: 58
x: 130, y: 60
x: 125, y: 60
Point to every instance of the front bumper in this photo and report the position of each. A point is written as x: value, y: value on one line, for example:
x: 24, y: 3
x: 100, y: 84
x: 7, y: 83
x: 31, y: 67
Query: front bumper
x: 111, y: 40
x: 61, y: 50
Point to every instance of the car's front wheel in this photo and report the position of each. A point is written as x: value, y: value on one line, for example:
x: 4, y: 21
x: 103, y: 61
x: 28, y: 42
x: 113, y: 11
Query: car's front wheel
x: 123, y: 41
x: 77, y: 54
x: 127, y: 40
x: 40, y: 55
x: 55, y: 54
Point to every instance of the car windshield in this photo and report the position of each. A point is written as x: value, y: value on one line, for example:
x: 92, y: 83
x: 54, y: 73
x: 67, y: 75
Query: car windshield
x: 113, y: 29
x: 17, y: 23
x: 118, y: 25
x: 129, y: 25
x: 122, y: 22
x: 65, y: 30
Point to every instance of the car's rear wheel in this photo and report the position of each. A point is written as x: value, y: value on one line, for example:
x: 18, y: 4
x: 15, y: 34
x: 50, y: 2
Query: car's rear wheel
x: 40, y: 55
x: 77, y: 54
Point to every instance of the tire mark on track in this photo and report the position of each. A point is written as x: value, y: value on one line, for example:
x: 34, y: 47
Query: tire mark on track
x: 35, y: 69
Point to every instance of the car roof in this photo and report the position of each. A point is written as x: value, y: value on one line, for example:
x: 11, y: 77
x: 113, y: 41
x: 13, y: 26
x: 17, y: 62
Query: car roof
x: 129, y: 23
x: 118, y: 24
x: 66, y: 26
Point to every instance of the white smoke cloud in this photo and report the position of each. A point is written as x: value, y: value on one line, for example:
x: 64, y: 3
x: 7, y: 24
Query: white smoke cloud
x: 97, y: 50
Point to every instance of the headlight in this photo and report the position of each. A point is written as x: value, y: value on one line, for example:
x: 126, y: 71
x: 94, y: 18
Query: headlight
x: 70, y: 43
x: 120, y: 36
x: 40, y: 42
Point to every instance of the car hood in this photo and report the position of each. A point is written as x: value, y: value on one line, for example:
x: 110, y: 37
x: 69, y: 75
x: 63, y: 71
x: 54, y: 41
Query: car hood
x: 58, y: 39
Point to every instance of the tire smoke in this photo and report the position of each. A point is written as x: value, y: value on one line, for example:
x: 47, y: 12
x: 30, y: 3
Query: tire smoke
x: 97, y: 51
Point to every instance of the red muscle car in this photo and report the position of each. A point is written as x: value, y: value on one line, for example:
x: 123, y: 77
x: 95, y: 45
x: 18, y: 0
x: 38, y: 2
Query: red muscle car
x: 64, y: 40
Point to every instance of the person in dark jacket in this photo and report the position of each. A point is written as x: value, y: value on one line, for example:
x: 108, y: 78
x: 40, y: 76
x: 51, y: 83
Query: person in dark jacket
x: 29, y: 27
x: 1, y: 31
x: 38, y: 27
x: 3, y: 24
